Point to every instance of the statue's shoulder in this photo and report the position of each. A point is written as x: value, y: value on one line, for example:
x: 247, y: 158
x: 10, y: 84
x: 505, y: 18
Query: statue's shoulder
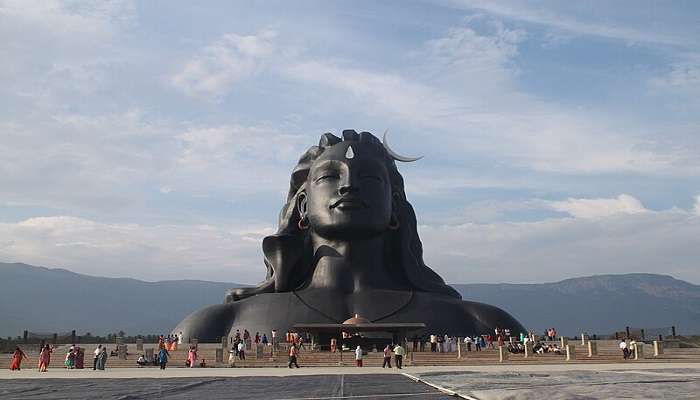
x: 491, y: 317
x: 470, y: 315
x: 207, y: 324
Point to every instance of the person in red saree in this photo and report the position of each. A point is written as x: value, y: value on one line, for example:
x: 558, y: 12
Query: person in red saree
x: 17, y: 359
x: 79, y: 358
x: 45, y: 358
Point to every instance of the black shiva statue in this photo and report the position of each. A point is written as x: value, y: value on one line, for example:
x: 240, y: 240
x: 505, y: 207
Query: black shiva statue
x: 347, y: 244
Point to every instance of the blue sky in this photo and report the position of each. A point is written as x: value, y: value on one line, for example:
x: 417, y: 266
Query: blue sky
x: 155, y: 139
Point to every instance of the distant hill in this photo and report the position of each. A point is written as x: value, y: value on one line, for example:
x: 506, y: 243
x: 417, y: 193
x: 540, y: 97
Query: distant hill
x: 56, y: 300
x: 596, y: 304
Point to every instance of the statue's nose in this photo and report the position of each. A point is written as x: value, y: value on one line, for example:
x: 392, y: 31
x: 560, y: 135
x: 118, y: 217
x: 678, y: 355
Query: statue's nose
x: 347, y: 187
x: 348, y: 183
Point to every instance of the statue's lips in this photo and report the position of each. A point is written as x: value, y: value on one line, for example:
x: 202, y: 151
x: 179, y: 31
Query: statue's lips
x: 349, y: 204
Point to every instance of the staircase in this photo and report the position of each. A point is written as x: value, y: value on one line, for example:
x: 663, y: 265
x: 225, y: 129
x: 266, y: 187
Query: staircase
x: 608, y: 352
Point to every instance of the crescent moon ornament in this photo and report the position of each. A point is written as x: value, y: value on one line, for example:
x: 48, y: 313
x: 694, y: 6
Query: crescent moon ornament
x: 396, y: 156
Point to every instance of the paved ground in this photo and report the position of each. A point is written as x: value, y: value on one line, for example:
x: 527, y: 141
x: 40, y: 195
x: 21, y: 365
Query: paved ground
x: 58, y: 372
x: 490, y: 382
x: 564, y: 385
x: 307, y: 387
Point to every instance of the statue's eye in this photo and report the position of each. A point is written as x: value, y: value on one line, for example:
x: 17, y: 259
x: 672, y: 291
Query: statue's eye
x: 329, y: 176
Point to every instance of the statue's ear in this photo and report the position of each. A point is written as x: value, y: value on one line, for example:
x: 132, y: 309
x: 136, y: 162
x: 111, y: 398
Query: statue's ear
x: 301, y: 204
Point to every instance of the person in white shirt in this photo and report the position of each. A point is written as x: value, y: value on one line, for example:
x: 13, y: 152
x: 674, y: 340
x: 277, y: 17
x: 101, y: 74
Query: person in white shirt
x: 97, y: 352
x: 625, y: 350
x: 141, y: 361
x: 358, y: 356
x: 241, y: 350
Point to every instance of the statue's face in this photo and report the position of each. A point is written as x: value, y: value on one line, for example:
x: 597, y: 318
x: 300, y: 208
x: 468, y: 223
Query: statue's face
x: 348, y: 195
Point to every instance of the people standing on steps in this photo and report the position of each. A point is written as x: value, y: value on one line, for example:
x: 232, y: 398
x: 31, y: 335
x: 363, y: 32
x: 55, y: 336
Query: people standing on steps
x: 246, y: 338
x: 192, y: 357
x: 387, y: 357
x: 358, y: 356
x: 70, y: 358
x: 79, y: 357
x: 399, y: 352
x: 96, y: 353
x: 102, y: 359
x: 45, y: 358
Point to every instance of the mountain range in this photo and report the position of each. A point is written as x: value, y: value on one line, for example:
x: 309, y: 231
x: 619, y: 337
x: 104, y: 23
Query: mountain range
x: 48, y: 300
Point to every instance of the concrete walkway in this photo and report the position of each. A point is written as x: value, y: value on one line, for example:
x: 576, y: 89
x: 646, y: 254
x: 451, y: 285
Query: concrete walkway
x: 130, y: 373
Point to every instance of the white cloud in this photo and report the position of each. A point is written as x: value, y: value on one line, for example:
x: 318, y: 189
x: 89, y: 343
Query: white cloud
x: 232, y: 58
x: 472, y: 60
x: 476, y: 109
x: 598, y: 208
x: 156, y: 252
x: 554, y: 249
x: 696, y: 206
x: 69, y: 18
x: 566, y: 23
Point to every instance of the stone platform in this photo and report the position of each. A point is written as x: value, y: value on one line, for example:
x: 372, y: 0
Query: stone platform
x: 492, y: 382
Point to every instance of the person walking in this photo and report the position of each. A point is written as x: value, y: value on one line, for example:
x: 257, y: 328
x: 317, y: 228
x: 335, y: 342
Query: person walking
x: 17, y: 357
x: 358, y: 356
x: 625, y: 350
x: 387, y: 356
x: 399, y: 352
x: 45, y: 358
x: 97, y: 352
x: 293, y: 354
x: 102, y: 359
x: 241, y: 350
x: 192, y: 356
x: 163, y: 356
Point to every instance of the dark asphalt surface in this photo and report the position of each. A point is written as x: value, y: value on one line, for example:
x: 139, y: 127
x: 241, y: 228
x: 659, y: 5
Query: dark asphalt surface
x: 391, y: 387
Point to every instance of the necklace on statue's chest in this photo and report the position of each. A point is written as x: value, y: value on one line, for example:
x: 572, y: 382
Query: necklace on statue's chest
x: 375, y: 305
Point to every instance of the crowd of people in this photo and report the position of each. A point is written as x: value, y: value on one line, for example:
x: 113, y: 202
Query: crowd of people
x: 448, y: 344
x: 242, y: 341
x: 74, y: 359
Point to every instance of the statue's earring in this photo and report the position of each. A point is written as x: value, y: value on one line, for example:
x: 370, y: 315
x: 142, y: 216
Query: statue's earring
x: 394, y: 223
x: 303, y: 223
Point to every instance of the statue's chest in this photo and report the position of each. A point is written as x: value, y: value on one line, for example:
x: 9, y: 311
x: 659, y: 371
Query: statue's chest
x: 374, y: 305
